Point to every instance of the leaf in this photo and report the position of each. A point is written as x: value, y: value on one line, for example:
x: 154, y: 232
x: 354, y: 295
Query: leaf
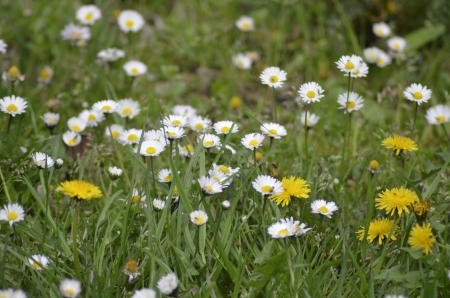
x: 437, y: 225
x: 422, y: 36
x: 262, y: 275
x: 265, y: 253
x: 415, y: 253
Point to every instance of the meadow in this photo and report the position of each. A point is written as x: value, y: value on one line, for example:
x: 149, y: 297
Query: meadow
x: 274, y: 148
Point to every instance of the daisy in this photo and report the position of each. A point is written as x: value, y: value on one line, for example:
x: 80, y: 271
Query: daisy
x: 437, y: 115
x: 42, y: 160
x: 114, y: 172
x: 254, y: 56
x: 349, y: 64
x: 3, y: 46
x: 144, y: 293
x: 11, y: 293
x: 209, y: 140
x: 230, y: 148
x: 173, y: 132
x: 299, y: 229
x: 45, y: 75
x: 50, y: 119
x: 220, y: 177
x: 175, y: 120
x: 131, y: 269
x: 59, y: 163
x: 158, y: 205
x: 92, y: 118
x: 267, y: 185
x: 71, y: 138
x: 168, y: 285
x: 226, y: 204
x: 397, y: 44
x: 361, y: 71
x: 105, y: 106
x: 417, y: 93
x: 135, y: 68
x: 421, y: 236
x: 371, y: 54
x: 38, y: 262
x: 80, y: 190
x: 199, y: 124
x: 311, y: 119
x: 396, y: 199
x: 130, y: 20
x: 12, y: 213
x: 350, y: 103
x: 130, y: 136
x: 187, y: 111
x: 88, y: 14
x: 76, y: 124
x: 209, y: 186
x: 75, y: 33
x: 155, y: 135
x: 13, y: 75
x: 252, y: 140
x: 136, y: 197
x: 70, y: 288
x: 323, y: 207
x: 281, y: 229
x: 110, y: 55
x: 151, y: 148
x: 273, y: 130
x: 399, y: 144
x: 379, y: 228
x: 116, y: 131
x: 381, y: 29
x: 292, y: 187
x: 245, y: 23
x: 13, y: 105
x: 186, y: 151
x: 229, y: 171
x: 273, y: 76
x: 165, y: 176
x: 128, y: 108
x: 383, y: 59
x: 225, y: 127
x: 310, y: 92
x: 374, y: 167
x: 198, y: 217
x: 242, y: 61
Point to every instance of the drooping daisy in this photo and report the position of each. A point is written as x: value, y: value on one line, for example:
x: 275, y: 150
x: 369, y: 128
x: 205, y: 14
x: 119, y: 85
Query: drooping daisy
x: 114, y: 172
x: 111, y: 55
x: 45, y: 75
x: 13, y: 75
x: 50, y: 119
x: 173, y: 132
x: 225, y: 127
x: 151, y: 148
x: 242, y: 61
x: 371, y: 54
x: 397, y: 44
x: 220, y: 177
x: 168, y: 284
x: 396, y: 199
x: 38, y: 262
x: 267, y: 185
x: 292, y: 187
x: 135, y: 68
x: 311, y: 119
x: 42, y: 160
x: 209, y: 140
x: 300, y: 228
x: 273, y: 76
x: 198, y: 217
x: 184, y: 110
x: 131, y: 269
x: 130, y: 20
x: 379, y: 229
x: 310, y: 92
x: 175, y: 120
x: 227, y: 170
x: 245, y: 23
x: 273, y: 130
x: 80, y: 190
x: 70, y: 288
x: 361, y: 71
x: 422, y: 236
x: 199, y: 124
x: 88, y: 14
x: 349, y: 64
x: 399, y: 144
x: 76, y: 124
x: 158, y: 205
x: 281, y: 229
x: 116, y: 131
x: 12, y: 213
x: 128, y: 108
x: 381, y: 29
x: 383, y: 59
x: 417, y: 93
x: 437, y: 115
x: 137, y: 197
x: 76, y: 33
x: 130, y: 136
x: 323, y: 207
x: 155, y: 135
x: 71, y: 138
x: 252, y: 140
x: 144, y: 293
x: 106, y: 106
x: 92, y: 118
x: 3, y: 46
x: 186, y: 151
x: 165, y: 176
x: 354, y: 103
x: 13, y: 105
x: 209, y: 186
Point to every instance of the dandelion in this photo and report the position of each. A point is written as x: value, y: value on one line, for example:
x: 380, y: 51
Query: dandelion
x: 128, y: 108
x: 76, y: 124
x: 114, y: 173
x: 45, y: 75
x: 168, y: 285
x: 242, y: 61
x: 88, y: 14
x: 383, y: 59
x: 252, y: 140
x: 175, y: 120
x: 374, y: 167
x: 421, y: 236
x: 349, y: 64
x: 245, y: 23
x: 437, y: 115
x: 144, y: 293
x: 417, y: 93
x: 135, y: 68
x: 198, y: 217
x: 13, y: 75
x: 182, y: 110
x: 273, y: 130
x: 350, y: 103
x: 92, y: 118
x: 209, y: 140
x: 292, y: 187
x: 324, y: 208
x: 399, y: 144
x: 130, y: 136
x: 106, y: 106
x: 371, y: 54
x: 130, y: 20
x: 199, y: 124
x: 281, y: 229
x: 116, y: 131
x: 80, y: 190
x: 381, y: 29
x: 397, y: 44
x: 42, y: 160
x: 165, y: 176
x: 13, y: 105
x: 273, y: 76
x: 235, y: 102
x: 379, y: 229
x: 12, y: 213
x: 310, y: 92
x: 311, y: 119
x: 151, y: 148
x: 3, y: 46
x: 421, y: 209
x: 209, y: 185
x: 76, y: 33
x: 38, y: 262
x: 131, y: 269
x: 225, y: 127
x: 70, y: 288
x: 396, y: 199
x: 267, y: 185
x: 158, y: 205
x: 110, y: 55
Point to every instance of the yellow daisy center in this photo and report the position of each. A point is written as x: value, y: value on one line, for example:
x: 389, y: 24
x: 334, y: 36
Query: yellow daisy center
x: 356, y: 72
x: 273, y: 131
x: 283, y: 232
x: 129, y: 23
x: 92, y: 117
x: 106, y: 108
x: 199, y: 220
x: 440, y: 119
x: 246, y: 26
x: 323, y: 209
x: 396, y: 46
x: 49, y: 120
x: 151, y: 150
x: 199, y: 126
x: 308, y: 121
x: 45, y: 74
x: 417, y: 95
x: 171, y: 133
x: 374, y: 165
x: 132, y: 137
x: 209, y: 188
x: 217, y: 179
x: 311, y: 94
x: 225, y: 129
x: 12, y: 108
x: 380, y: 61
x: 76, y: 128
x: 36, y: 265
x: 70, y: 291
x: 372, y: 56
x: 208, y: 143
x: 266, y: 188
x: 134, y: 70
x: 115, y: 134
x: 135, y: 199
x: 176, y: 122
x: 240, y: 63
x: 350, y: 104
x: 127, y: 112
x: 273, y: 79
x: 168, y: 178
x: 89, y: 16
x: 253, y: 143
x: 380, y: 31
x: 72, y: 142
x: 349, y: 65
x: 224, y: 169
x: 12, y: 215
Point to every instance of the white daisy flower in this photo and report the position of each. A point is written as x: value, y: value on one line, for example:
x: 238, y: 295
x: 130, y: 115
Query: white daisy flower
x: 168, y: 284
x: 186, y: 151
x: 252, y: 140
x: 38, y: 262
x: 12, y: 213
x: 110, y: 55
x: 128, y: 108
x: 130, y: 136
x: 42, y: 160
x: 323, y: 207
x: 144, y: 293
x: 13, y: 75
x: 173, y: 132
x: 226, y: 204
x: 136, y: 197
x: 76, y: 33
x: 281, y: 230
x: 225, y: 127
x: 209, y: 185
x: 383, y: 59
x: 116, y: 131
x: 130, y: 20
x: 70, y: 288
x: 267, y: 185
x: 273, y: 130
x: 229, y: 171
x: 371, y: 54
x: 349, y: 64
x: 151, y: 148
x: 254, y: 56
x: 220, y: 177
x: 158, y: 205
x: 3, y: 46
x: 71, y: 138
x: 311, y: 119
x: 59, y: 163
x: 11, y: 293
x: 397, y: 44
x: 165, y: 176
x: 182, y: 110
x: 310, y: 92
x: 300, y: 229
x: 76, y: 124
x: 115, y: 172
x: 231, y: 149
x: 13, y: 105
x: 105, y: 106
x: 439, y: 114
x: 209, y: 140
x: 199, y: 124
x: 155, y: 135
x: 245, y: 23
x: 242, y: 61
x: 417, y: 93
x: 355, y: 102
x: 175, y: 120
x: 88, y: 14
x: 92, y: 118
x: 381, y: 29
x: 135, y: 68
x: 359, y: 72
x: 273, y: 76
x: 50, y: 119
x: 45, y: 75
x: 198, y: 217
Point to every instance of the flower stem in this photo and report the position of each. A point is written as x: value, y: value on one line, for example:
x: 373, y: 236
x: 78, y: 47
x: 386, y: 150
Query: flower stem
x: 9, y: 123
x: 263, y: 213
x: 414, y: 120
x: 4, y: 186
x: 445, y: 132
x: 306, y: 140
x: 153, y: 177
x: 274, y: 105
x: 254, y: 156
x: 76, y: 264
x: 343, y: 155
x: 119, y: 158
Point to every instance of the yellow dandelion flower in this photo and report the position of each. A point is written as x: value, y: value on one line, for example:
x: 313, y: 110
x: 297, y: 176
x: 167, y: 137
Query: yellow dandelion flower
x: 379, y: 228
x: 399, y: 143
x: 421, y: 209
x: 79, y: 189
x: 396, y: 199
x: 421, y: 236
x: 292, y: 187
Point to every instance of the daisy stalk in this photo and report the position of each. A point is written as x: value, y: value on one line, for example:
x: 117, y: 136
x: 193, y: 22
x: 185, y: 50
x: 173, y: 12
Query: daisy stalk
x: 76, y: 264
x: 347, y: 129
x: 263, y: 213
x: 306, y: 139
x: 115, y: 149
x: 414, y: 120
x: 4, y: 186
x: 274, y: 105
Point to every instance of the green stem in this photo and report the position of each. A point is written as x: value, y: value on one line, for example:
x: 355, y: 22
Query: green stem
x: 306, y: 139
x: 44, y: 192
x: 153, y: 178
x: 254, y: 156
x: 12, y: 88
x: 291, y: 271
x: 216, y: 230
x: 76, y: 263
x: 274, y: 105
x: 445, y: 132
x: 262, y: 218
x: 9, y: 123
x: 343, y: 160
x: 414, y: 120
x: 4, y: 186
x: 119, y: 158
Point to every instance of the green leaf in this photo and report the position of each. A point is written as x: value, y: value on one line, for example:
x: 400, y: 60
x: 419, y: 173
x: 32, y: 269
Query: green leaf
x: 437, y: 225
x: 262, y: 275
x: 414, y: 252
x: 265, y: 253
x: 422, y: 36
